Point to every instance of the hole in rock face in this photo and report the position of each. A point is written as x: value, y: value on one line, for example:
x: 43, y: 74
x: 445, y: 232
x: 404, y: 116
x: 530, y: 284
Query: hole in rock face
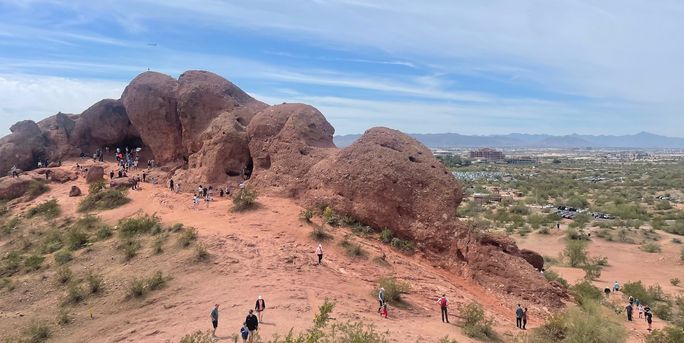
x: 412, y: 159
x: 250, y: 167
x: 233, y: 173
x: 242, y: 121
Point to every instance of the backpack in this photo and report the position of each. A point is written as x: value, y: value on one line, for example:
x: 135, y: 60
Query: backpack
x: 244, y: 332
x: 443, y: 302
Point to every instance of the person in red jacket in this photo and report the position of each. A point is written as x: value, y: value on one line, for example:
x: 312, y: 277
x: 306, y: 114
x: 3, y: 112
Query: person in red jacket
x: 443, y: 304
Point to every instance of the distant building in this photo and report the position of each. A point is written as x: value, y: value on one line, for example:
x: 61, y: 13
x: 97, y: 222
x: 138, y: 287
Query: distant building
x: 522, y: 160
x: 487, y: 154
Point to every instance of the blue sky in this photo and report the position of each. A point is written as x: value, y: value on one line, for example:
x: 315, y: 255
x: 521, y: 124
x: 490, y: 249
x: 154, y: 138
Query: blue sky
x: 471, y: 67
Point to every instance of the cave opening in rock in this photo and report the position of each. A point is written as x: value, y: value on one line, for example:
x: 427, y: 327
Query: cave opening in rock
x: 249, y: 168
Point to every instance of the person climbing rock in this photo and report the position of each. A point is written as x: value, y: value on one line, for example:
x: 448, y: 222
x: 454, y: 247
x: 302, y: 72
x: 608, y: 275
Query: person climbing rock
x: 518, y: 317
x: 260, y: 307
x: 443, y: 304
x: 252, y: 323
x: 214, y: 318
x: 319, y: 252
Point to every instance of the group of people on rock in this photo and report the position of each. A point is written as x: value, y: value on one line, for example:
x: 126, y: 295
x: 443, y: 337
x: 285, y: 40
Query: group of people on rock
x: 251, y: 323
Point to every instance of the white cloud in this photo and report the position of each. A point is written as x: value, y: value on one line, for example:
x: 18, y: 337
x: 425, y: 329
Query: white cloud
x: 36, y: 97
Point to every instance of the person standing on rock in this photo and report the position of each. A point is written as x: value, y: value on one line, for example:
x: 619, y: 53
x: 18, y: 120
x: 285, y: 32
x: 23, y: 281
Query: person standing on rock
x: 524, y: 319
x: 260, y: 307
x: 144, y: 178
x: 518, y: 317
x: 443, y: 304
x: 214, y: 319
x: 171, y: 185
x: 319, y: 252
x: 616, y: 286
x: 178, y: 187
x: 381, y: 298
x: 252, y: 323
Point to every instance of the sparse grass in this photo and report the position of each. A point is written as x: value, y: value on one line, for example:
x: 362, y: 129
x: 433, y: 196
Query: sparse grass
x: 137, y: 288
x: 330, y: 217
x: 319, y: 234
x: 103, y: 233
x: 140, y: 287
x: 675, y: 281
x: 201, y: 253
x: 52, y: 241
x: 130, y: 247
x: 36, y: 188
x: 393, y: 289
x: 10, y: 226
x: 33, y: 262
x: 95, y: 282
x: 589, y: 323
x: 199, y: 337
x: 49, y: 209
x: 306, y: 215
x: 37, y: 332
x: 158, y: 244
x: 62, y: 256
x: 386, y: 236
x: 63, y: 317
x: 553, y: 276
x: 157, y: 281
x: 63, y: 275
x: 96, y: 187
x: 104, y: 200
x: 11, y: 263
x: 475, y: 324
x: 670, y: 334
x: 651, y: 247
x: 187, y: 237
x: 139, y: 225
x: 403, y: 245
x: 76, y: 238
x: 75, y: 294
x: 352, y: 249
x: 244, y: 199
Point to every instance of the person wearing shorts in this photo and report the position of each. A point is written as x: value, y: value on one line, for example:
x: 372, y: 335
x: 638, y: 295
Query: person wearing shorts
x: 260, y: 307
x: 214, y: 318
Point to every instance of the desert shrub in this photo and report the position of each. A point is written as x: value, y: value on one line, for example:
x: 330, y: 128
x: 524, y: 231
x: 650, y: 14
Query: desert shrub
x: 201, y: 252
x: 306, y: 215
x: 647, y: 295
x: 386, y: 236
x: 103, y: 233
x: 352, y: 249
x: 670, y: 334
x: 96, y: 187
x: 394, y: 289
x: 663, y: 311
x: 104, y: 200
x: 676, y: 241
x: 553, y: 276
x: 578, y: 235
x: 6, y: 283
x: 592, y: 271
x: 663, y: 205
x: 244, y: 199
x: 330, y: 217
x: 62, y: 256
x: 33, y: 262
x: 49, y: 209
x: 74, y: 294
x: 136, y: 226
x: 544, y: 230
x: 575, y: 252
x: 63, y: 317
x: 76, y: 239
x: 129, y: 247
x: 158, y: 244
x: 475, y: 324
x: 323, y: 315
x: 362, y: 230
x: 10, y: 226
x: 11, y: 263
x: 52, y: 241
x: 63, y: 275
x: 651, y: 247
x: 187, y: 237
x: 446, y: 339
x: 36, y: 188
x: 198, y: 337
x: 156, y: 281
x: 137, y: 287
x: 95, y: 282
x: 586, y: 293
x: 590, y: 323
x: 37, y: 332
x: 550, y: 260
x: 675, y: 281
x: 320, y: 234
x: 178, y: 227
x: 403, y: 245
x: 519, y: 208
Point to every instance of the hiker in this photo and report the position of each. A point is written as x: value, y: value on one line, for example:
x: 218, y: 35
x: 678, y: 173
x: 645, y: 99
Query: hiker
x: 616, y: 286
x: 199, y: 190
x: 47, y: 174
x: 383, y: 312
x: 631, y: 300
x: 637, y: 302
x: 221, y: 192
x: 381, y: 298
x: 319, y: 252
x: 195, y: 201
x: 640, y: 308
x: 558, y: 225
x: 518, y: 317
x: 144, y: 178
x: 524, y: 319
x: 606, y: 290
x: 111, y: 175
x: 214, y: 319
x: 244, y: 332
x: 629, y: 310
x: 207, y: 198
x: 443, y: 303
x: 171, y: 185
x: 178, y: 187
x: 252, y: 324
x: 260, y: 307
x: 649, y: 317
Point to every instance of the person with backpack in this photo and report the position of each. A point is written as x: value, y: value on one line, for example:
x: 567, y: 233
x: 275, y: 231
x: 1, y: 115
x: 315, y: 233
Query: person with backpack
x: 244, y: 332
x: 443, y: 304
x: 214, y: 319
x: 252, y: 323
x: 649, y: 317
x: 260, y: 307
x: 629, y: 309
x: 381, y: 298
x: 518, y: 317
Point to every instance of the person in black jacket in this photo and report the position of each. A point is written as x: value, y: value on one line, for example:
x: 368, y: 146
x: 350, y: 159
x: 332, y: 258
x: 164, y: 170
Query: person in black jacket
x: 252, y: 324
x: 260, y: 307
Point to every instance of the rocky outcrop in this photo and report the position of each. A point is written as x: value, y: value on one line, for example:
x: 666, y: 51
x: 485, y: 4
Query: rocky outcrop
x: 106, y: 123
x: 57, y: 131
x: 23, y: 148
x: 150, y: 102
x: 533, y: 258
x: 75, y: 191
x: 94, y: 174
x: 61, y: 175
x: 12, y: 188
x: 285, y: 142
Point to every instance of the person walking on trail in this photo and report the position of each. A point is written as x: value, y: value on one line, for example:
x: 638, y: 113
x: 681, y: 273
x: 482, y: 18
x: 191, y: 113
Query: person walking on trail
x: 319, y: 252
x: 244, y: 332
x: 518, y: 317
x: 195, y: 201
x: 616, y: 286
x: 629, y: 309
x: 649, y: 317
x: 640, y: 309
x: 383, y: 311
x: 524, y: 319
x: 443, y: 304
x: 381, y: 298
x: 260, y: 307
x: 178, y: 187
x: 214, y: 319
x: 252, y: 323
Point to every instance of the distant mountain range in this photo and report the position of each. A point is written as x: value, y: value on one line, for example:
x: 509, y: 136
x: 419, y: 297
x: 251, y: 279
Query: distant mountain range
x: 642, y: 140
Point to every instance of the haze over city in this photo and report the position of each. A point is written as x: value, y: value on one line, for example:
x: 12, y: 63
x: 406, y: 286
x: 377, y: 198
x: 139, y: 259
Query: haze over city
x: 499, y: 67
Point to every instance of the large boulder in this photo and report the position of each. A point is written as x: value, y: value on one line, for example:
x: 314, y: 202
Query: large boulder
x: 12, y: 188
x: 150, y: 101
x: 387, y: 179
x: 57, y: 131
x: 533, y: 258
x: 75, y: 191
x: 61, y: 175
x: 23, y: 148
x: 94, y: 174
x: 285, y: 141
x: 105, y: 123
